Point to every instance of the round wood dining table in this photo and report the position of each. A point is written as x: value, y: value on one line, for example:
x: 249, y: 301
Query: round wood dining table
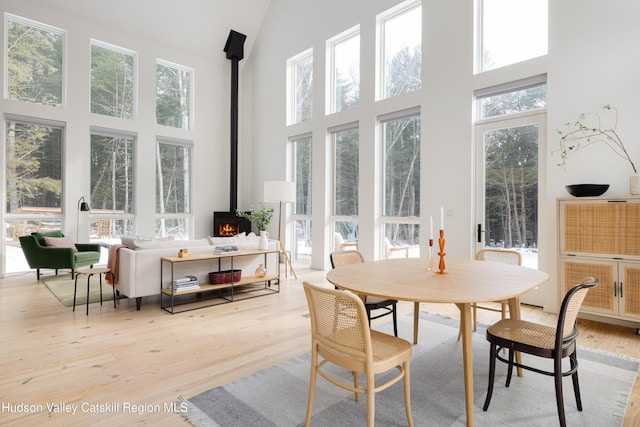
x: 464, y: 282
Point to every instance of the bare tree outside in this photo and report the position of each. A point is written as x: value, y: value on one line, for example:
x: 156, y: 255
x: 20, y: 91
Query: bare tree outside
x: 34, y: 63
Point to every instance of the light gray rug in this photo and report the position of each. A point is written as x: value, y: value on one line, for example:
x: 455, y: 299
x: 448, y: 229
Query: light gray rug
x: 277, y: 396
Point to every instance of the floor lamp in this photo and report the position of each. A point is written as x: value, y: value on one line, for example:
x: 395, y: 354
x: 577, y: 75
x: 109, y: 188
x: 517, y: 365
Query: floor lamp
x: 281, y: 192
x: 82, y: 207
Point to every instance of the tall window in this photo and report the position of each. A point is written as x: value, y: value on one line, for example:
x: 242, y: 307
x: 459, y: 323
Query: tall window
x: 112, y: 183
x: 33, y: 186
x: 173, y: 190
x: 510, y: 132
x: 400, y: 49
x: 300, y: 87
x: 344, y: 57
x: 511, y: 31
x: 345, y: 185
x: 34, y: 166
x: 112, y: 80
x: 401, y: 182
x: 173, y: 95
x: 35, y: 58
x: 302, y: 147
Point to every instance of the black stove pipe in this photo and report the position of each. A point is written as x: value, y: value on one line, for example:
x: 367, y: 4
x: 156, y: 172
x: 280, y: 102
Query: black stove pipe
x: 235, y: 52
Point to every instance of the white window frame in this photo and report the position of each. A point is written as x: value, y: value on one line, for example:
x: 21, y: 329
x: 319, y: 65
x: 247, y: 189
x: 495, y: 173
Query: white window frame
x: 291, y: 85
x: 332, y: 80
x: 478, y: 63
x: 381, y: 20
x: 332, y: 134
x: 191, y: 72
x: 63, y: 33
x: 388, y: 219
x: 295, y: 217
x: 124, y: 51
x: 187, y: 216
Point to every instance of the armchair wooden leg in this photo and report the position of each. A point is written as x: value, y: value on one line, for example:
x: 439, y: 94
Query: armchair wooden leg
x: 38, y: 274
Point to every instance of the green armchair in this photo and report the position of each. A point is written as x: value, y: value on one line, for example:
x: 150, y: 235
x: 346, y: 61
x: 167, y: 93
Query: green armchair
x: 40, y: 256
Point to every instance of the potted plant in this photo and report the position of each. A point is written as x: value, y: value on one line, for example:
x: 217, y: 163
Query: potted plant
x: 588, y: 130
x: 261, y: 218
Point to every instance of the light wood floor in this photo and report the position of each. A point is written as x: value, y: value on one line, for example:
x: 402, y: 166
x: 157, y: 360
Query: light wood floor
x: 143, y: 361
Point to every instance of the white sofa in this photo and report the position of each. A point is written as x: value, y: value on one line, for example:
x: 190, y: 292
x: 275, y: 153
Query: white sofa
x: 139, y: 263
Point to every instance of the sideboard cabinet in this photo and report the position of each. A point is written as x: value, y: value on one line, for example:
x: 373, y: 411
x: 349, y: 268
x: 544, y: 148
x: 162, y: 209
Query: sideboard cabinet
x: 600, y: 236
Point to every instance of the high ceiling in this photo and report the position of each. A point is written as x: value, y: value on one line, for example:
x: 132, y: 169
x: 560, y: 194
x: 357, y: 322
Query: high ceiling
x: 194, y: 26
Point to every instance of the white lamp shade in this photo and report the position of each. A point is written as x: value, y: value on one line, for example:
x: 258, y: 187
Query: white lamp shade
x: 280, y: 191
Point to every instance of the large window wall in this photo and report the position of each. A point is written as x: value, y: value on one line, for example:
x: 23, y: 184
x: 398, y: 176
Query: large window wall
x: 391, y: 194
x: 60, y: 149
x: 392, y: 212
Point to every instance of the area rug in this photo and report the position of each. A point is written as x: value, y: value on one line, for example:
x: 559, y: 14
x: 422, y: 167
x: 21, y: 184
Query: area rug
x: 61, y: 286
x: 277, y: 396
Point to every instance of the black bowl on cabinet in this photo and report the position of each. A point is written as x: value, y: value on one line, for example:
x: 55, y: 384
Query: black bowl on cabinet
x: 587, y: 190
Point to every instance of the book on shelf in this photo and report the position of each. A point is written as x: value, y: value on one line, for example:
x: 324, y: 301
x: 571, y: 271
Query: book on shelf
x: 225, y: 249
x: 177, y: 287
x: 185, y: 279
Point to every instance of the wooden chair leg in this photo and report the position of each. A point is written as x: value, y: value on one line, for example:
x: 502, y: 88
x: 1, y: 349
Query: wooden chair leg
x: 492, y: 374
x: 407, y: 392
x: 356, y: 385
x: 312, y: 386
x: 557, y: 368
x: 576, y: 386
x: 371, y: 400
x: 510, y: 368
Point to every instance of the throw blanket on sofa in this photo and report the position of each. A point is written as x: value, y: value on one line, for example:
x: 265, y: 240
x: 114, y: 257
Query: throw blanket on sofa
x: 113, y: 262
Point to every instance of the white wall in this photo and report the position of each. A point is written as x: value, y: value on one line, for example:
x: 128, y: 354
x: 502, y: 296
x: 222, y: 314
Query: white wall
x: 593, y: 60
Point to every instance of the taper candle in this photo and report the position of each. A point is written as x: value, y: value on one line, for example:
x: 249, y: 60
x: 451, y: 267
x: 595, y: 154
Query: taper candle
x: 431, y: 227
x: 441, y: 218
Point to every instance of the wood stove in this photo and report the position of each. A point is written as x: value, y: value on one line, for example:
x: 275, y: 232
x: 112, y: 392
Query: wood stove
x: 226, y: 224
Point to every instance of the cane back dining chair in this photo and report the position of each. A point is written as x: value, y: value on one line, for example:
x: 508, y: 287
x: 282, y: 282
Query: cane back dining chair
x: 341, y: 336
x: 543, y: 341
x: 385, y: 306
x: 493, y: 255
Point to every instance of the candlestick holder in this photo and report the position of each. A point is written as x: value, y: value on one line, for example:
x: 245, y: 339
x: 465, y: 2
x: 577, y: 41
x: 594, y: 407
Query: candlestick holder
x: 430, y: 268
x: 441, y: 253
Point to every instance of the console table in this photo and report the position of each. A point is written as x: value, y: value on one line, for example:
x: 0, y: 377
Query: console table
x: 207, y: 294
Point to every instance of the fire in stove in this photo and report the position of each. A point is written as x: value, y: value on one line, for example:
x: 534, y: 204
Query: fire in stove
x: 227, y: 229
x: 227, y: 224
